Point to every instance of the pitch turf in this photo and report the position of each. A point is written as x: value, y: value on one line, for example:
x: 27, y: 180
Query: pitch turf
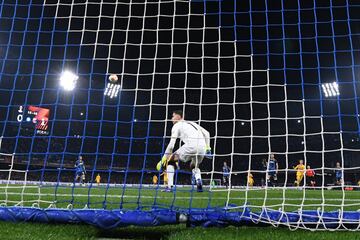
x: 94, y: 197
x: 36, y: 231
x: 145, y: 197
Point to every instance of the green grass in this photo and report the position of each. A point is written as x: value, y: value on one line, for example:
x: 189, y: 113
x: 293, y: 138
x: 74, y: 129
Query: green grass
x: 288, y: 199
x: 131, y: 198
x: 36, y: 231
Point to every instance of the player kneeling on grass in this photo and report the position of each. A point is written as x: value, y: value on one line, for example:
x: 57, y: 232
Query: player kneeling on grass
x: 300, y: 170
x: 196, y: 145
x: 80, y: 170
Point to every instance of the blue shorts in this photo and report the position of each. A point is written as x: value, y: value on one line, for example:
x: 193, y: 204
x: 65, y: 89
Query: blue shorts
x: 80, y: 173
x: 272, y: 172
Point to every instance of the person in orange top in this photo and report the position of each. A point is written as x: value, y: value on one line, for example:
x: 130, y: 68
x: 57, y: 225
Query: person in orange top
x: 300, y: 170
x: 310, y: 176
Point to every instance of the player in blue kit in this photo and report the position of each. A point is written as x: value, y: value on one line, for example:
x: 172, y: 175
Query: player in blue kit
x: 226, y: 174
x: 272, y: 168
x: 80, y: 170
x: 338, y: 174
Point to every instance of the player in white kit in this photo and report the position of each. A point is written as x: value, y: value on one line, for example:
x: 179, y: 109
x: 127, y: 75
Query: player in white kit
x: 196, y: 145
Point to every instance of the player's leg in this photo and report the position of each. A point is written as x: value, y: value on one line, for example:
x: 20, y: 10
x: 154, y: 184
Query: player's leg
x: 301, y: 179
x: 307, y: 181
x: 313, y: 182
x: 82, y: 178
x: 76, y: 177
x: 196, y: 172
x: 165, y: 179
x: 170, y: 170
x: 275, y: 179
x: 271, y: 178
x: 225, y: 181
x: 297, y: 180
x: 195, y: 157
x: 267, y: 177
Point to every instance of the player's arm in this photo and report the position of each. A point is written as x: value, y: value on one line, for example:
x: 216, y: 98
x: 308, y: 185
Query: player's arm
x: 169, y: 148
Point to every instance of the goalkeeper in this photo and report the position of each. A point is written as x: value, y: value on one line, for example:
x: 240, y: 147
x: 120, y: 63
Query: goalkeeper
x: 196, y: 145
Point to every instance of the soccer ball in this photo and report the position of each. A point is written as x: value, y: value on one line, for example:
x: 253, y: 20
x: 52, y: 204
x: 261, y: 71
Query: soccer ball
x: 113, y: 78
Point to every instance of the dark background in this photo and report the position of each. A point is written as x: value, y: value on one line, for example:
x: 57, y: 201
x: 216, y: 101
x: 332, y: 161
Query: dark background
x: 248, y: 71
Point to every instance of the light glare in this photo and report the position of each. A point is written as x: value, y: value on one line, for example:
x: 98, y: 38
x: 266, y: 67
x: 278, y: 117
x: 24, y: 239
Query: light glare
x: 112, y: 90
x: 68, y: 80
x: 330, y: 89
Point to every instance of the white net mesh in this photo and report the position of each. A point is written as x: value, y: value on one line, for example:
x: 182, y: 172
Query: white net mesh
x: 263, y: 78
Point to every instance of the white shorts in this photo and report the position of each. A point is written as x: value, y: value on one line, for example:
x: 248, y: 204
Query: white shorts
x: 188, y: 153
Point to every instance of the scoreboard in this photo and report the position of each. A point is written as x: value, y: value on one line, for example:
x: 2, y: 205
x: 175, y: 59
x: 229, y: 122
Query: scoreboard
x: 34, y: 117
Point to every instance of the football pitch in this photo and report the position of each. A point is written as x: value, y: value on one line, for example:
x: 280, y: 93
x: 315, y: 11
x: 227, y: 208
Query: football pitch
x: 146, y: 197
x: 149, y: 196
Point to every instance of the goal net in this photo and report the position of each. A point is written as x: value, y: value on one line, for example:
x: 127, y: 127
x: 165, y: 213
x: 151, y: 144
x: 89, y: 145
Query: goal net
x: 275, y: 83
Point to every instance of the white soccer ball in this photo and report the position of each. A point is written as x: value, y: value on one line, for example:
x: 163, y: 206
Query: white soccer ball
x: 113, y: 78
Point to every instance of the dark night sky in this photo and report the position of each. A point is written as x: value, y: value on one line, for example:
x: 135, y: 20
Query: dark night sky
x: 192, y: 55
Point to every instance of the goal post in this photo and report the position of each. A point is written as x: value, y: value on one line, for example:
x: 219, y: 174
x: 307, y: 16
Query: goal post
x: 88, y: 88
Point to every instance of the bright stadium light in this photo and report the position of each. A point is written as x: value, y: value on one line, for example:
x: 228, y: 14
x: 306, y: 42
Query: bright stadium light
x: 112, y: 90
x: 330, y: 89
x: 68, y: 80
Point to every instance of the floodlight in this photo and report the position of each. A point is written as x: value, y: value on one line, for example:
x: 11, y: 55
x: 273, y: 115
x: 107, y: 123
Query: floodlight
x: 330, y: 89
x: 68, y: 80
x: 112, y: 90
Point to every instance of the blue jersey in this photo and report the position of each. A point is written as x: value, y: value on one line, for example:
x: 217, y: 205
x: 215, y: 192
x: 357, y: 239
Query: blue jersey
x: 79, y: 165
x: 338, y: 173
x: 226, y: 171
x: 272, y: 164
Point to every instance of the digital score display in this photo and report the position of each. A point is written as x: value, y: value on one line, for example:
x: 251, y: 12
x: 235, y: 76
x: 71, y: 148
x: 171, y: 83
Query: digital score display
x: 36, y: 117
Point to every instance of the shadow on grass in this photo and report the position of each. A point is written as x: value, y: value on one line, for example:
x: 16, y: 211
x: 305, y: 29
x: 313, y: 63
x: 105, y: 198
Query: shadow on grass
x: 150, y: 233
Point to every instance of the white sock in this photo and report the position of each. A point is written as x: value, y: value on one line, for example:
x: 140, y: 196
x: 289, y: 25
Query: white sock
x: 197, y: 173
x: 170, y: 170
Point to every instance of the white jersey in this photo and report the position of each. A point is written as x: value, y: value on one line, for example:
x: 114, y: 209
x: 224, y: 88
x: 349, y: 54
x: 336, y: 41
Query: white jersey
x: 192, y: 134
